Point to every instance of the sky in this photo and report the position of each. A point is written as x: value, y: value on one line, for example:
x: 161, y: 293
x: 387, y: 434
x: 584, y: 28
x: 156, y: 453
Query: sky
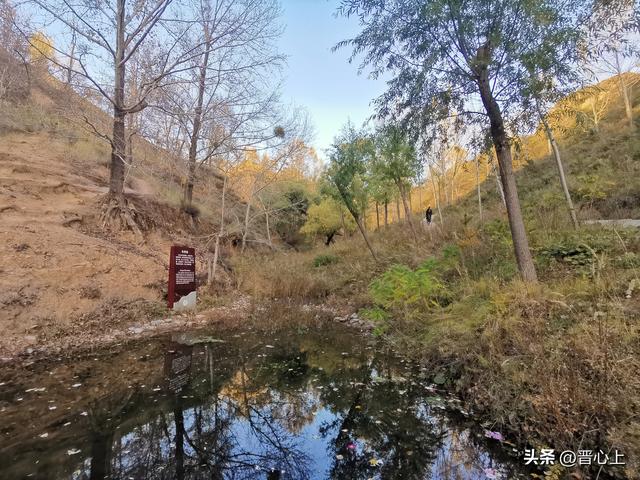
x: 320, y: 80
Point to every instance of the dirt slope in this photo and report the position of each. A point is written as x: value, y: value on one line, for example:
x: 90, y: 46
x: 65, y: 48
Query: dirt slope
x: 54, y: 263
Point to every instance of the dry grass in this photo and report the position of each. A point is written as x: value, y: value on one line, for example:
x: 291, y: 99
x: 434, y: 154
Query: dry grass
x: 555, y: 365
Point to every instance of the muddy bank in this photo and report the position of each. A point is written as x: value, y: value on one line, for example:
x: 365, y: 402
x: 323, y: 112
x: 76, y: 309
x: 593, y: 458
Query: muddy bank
x: 123, y: 322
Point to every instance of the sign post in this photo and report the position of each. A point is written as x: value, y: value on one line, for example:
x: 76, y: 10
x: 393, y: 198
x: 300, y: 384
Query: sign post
x: 182, y: 278
x: 177, y: 366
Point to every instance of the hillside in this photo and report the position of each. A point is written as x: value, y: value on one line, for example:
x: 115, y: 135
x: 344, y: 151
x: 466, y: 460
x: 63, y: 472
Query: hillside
x: 62, y: 273
x: 551, y: 364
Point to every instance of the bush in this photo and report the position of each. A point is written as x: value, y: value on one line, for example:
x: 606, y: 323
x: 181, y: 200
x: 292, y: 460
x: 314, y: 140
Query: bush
x: 401, y: 287
x: 575, y: 255
x: 628, y: 260
x: 378, y: 317
x: 323, y: 260
x: 591, y: 188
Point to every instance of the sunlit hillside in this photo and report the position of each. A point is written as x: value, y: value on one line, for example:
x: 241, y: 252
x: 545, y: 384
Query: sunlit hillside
x: 453, y: 298
x: 597, y: 148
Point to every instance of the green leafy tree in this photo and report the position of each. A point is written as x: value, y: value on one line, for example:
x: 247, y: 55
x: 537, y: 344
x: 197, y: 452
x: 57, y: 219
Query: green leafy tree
x: 396, y: 161
x: 327, y: 218
x: 445, y: 55
x: 292, y: 213
x: 382, y: 192
x: 349, y: 156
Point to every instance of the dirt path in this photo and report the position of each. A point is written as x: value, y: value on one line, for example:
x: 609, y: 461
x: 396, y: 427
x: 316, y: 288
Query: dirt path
x: 625, y: 222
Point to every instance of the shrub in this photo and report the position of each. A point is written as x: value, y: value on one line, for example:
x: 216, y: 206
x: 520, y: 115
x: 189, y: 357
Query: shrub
x: 323, y: 260
x: 628, y: 260
x: 576, y: 255
x: 498, y: 231
x: 591, y: 188
x: 401, y: 287
x: 378, y: 317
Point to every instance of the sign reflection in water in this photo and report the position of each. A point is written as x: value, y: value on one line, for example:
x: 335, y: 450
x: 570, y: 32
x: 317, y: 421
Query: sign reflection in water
x: 290, y: 408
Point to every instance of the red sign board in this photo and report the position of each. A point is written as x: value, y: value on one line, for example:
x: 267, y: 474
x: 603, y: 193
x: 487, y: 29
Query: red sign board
x: 182, y: 273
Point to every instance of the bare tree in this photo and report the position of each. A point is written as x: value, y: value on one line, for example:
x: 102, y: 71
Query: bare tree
x: 611, y: 48
x: 477, y: 162
x: 229, y: 92
x: 111, y: 33
x: 276, y: 159
x: 15, y: 66
x: 556, y: 154
x: 597, y: 102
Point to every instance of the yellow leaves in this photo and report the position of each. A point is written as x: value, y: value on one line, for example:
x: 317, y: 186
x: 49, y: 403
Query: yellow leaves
x: 470, y: 238
x: 256, y: 170
x: 40, y: 48
x: 326, y: 217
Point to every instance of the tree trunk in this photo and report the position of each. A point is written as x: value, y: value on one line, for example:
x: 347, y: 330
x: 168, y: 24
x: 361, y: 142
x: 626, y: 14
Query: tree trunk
x: 118, y: 147
x: 499, y: 185
x: 453, y: 189
x: 503, y: 152
x: 358, y: 220
x: 596, y: 119
x: 118, y: 152
x: 625, y: 94
x: 72, y: 54
x: 197, y: 124
x: 478, y: 188
x: 366, y: 238
x: 266, y: 218
x: 386, y: 214
x: 407, y: 211
x: 364, y: 219
x: 329, y: 239
x: 398, y: 217
x: 447, y: 198
x: 178, y: 420
x: 436, y: 197
x: 377, y: 216
x: 246, y: 224
x: 131, y: 132
x: 216, y: 251
x: 563, y: 179
x: 101, y: 454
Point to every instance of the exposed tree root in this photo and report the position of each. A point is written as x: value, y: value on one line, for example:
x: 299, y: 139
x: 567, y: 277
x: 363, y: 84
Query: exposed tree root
x: 119, y: 213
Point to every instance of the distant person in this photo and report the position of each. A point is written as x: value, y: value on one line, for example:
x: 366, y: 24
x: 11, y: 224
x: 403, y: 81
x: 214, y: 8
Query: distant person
x: 428, y: 215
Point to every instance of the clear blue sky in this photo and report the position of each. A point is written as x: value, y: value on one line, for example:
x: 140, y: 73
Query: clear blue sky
x: 320, y: 80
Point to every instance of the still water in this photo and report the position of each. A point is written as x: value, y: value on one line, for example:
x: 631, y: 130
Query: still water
x: 306, y: 405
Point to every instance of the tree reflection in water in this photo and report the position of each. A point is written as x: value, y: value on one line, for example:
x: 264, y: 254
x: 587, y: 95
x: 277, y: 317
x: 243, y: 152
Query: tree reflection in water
x: 242, y: 410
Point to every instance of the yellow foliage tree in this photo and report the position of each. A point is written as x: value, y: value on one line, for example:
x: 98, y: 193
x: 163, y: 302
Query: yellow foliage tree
x: 40, y: 48
x: 327, y: 218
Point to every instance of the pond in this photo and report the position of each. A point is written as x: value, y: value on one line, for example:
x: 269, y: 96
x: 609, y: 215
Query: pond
x: 304, y: 405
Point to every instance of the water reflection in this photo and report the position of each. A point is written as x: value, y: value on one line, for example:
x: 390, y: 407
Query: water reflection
x: 307, y: 406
